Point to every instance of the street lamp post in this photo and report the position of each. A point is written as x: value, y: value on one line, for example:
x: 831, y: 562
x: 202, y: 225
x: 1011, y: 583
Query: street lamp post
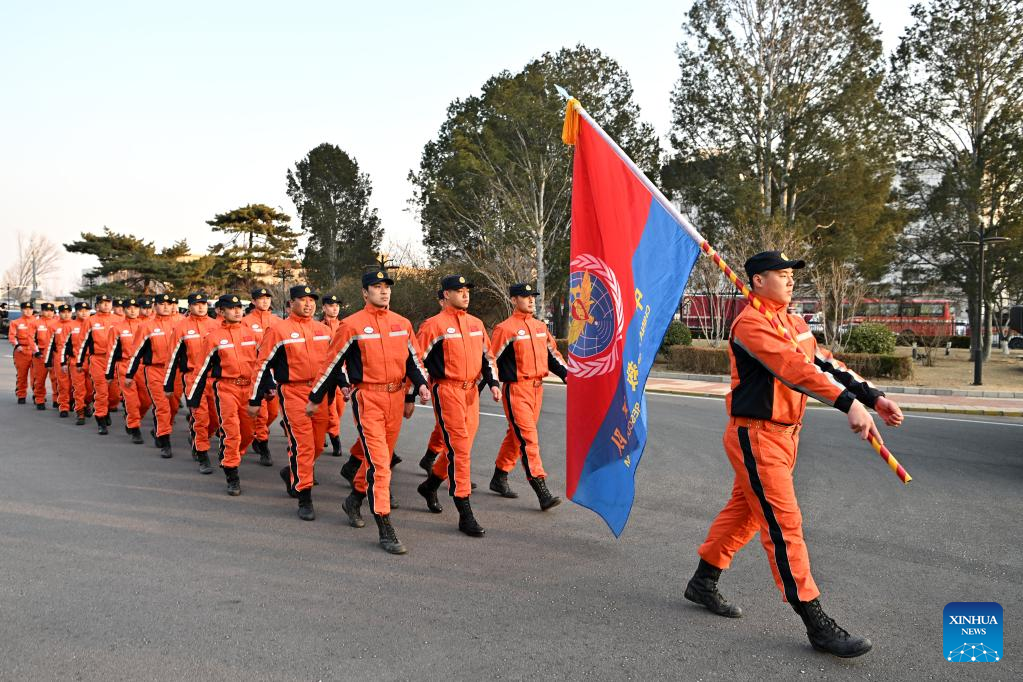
x: 977, y: 341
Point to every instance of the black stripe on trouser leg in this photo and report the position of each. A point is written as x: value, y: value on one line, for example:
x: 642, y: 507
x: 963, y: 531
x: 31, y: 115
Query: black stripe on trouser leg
x: 781, y: 556
x: 292, y: 441
x: 366, y: 457
x: 190, y: 420
x: 149, y: 392
x: 220, y: 428
x: 517, y: 431
x: 447, y: 439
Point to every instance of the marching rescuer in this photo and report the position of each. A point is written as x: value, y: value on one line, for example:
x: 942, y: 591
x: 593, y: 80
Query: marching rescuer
x: 185, y: 358
x: 371, y: 357
x: 525, y: 353
x: 456, y: 350
x: 123, y: 337
x: 81, y: 383
x: 56, y: 357
x: 289, y: 356
x: 770, y: 383
x: 154, y: 342
x: 21, y: 334
x: 94, y: 351
x: 259, y: 320
x: 436, y: 443
x: 44, y: 325
x: 331, y: 306
x: 229, y: 358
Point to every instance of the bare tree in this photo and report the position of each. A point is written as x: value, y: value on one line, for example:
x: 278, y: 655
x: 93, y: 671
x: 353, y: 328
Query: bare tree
x: 839, y: 291
x: 37, y: 260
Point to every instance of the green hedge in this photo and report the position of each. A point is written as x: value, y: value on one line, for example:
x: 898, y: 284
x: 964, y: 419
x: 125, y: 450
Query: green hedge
x: 677, y: 335
x: 715, y: 361
x: 874, y: 366
x: 871, y: 338
x: 698, y: 360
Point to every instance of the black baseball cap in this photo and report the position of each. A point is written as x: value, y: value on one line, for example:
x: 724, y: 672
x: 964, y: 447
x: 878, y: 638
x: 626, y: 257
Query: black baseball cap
x: 300, y: 290
x: 145, y: 302
x: 163, y: 298
x: 770, y: 260
x: 331, y: 298
x: 197, y: 297
x: 522, y: 289
x: 376, y: 277
x: 118, y: 302
x: 82, y: 305
x: 130, y: 303
x: 26, y: 305
x: 454, y: 282
x: 229, y: 301
x: 46, y: 306
x: 63, y: 308
x: 103, y: 297
x: 258, y: 293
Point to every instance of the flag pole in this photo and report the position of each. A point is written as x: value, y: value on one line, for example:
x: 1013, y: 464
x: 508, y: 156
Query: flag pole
x: 573, y: 110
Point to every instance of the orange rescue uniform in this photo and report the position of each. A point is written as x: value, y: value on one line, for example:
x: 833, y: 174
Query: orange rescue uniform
x: 375, y: 351
x: 152, y: 352
x: 259, y: 321
x: 289, y: 357
x: 186, y: 357
x: 21, y: 334
x: 525, y: 353
x: 456, y: 350
x: 93, y: 354
x: 770, y: 384
x: 123, y: 339
x: 229, y: 359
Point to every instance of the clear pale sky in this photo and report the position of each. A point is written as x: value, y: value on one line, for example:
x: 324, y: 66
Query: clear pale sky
x: 150, y: 118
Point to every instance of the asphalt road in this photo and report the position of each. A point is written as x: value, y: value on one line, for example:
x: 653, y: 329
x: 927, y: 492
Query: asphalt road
x: 116, y: 564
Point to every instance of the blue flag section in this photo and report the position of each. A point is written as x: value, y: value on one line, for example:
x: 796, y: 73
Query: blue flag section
x: 630, y: 264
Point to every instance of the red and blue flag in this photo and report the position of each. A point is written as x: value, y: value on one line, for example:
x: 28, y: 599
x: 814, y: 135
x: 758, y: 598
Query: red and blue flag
x: 630, y: 262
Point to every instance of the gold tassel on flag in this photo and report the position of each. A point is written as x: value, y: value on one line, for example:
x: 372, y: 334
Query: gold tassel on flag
x: 570, y: 131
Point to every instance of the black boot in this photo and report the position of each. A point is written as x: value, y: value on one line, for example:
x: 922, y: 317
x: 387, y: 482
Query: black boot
x: 539, y: 485
x: 466, y: 521
x: 262, y: 448
x: 335, y: 445
x: 40, y: 406
x: 428, y: 489
x: 499, y: 484
x: 426, y: 463
x: 165, y: 447
x: 88, y: 411
x: 156, y: 441
x: 204, y: 463
x: 825, y: 635
x: 352, y: 506
x: 703, y: 589
x: 305, y: 505
x: 350, y: 468
x: 54, y: 404
x: 234, y: 487
x: 101, y: 422
x: 63, y: 414
x: 388, y: 538
x: 286, y: 477
x: 80, y: 421
x: 136, y: 435
x: 21, y: 401
x: 395, y: 460
x: 107, y: 419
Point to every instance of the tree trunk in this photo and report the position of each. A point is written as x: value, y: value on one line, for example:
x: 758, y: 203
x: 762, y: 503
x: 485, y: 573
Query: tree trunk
x: 541, y: 274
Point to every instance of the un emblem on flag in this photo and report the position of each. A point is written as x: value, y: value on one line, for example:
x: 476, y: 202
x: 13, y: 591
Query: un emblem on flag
x: 595, y: 317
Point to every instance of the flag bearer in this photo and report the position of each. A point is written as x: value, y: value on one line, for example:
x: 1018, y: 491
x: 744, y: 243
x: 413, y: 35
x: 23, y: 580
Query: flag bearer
x: 770, y: 383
